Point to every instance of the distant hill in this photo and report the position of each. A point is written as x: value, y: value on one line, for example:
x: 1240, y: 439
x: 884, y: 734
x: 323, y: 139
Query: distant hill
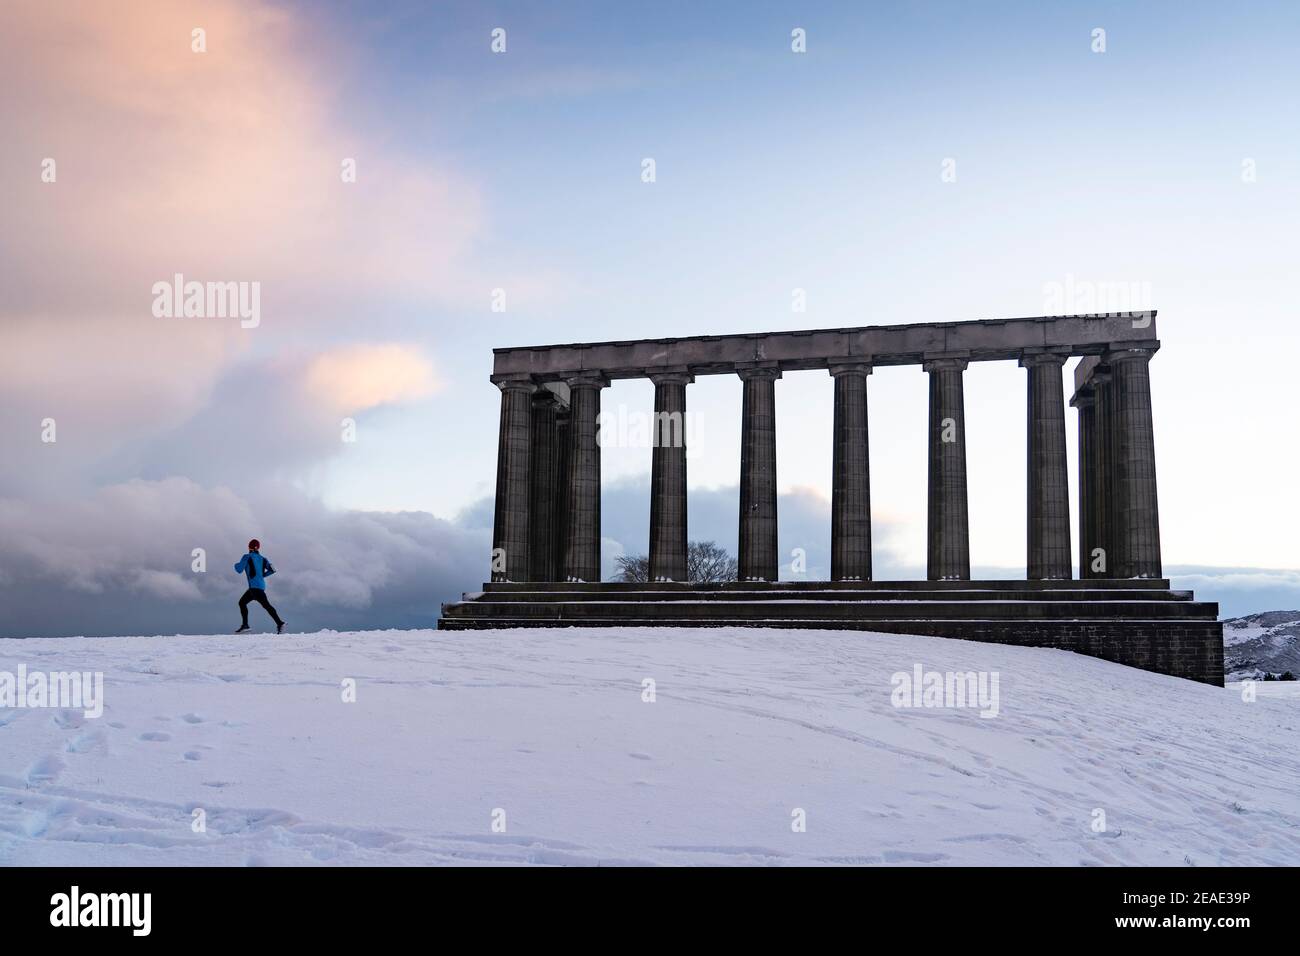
x: 1259, y: 644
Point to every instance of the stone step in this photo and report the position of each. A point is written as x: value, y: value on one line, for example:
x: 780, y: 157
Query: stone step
x: 996, y: 584
x: 746, y: 610
x: 995, y: 630
x: 809, y: 594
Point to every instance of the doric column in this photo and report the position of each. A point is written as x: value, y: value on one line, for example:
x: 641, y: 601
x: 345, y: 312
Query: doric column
x: 548, y: 487
x: 948, y: 525
x: 1104, y: 548
x: 757, y: 559
x: 851, y: 476
x: 582, y: 549
x: 1085, y: 401
x: 510, y: 525
x: 559, y: 534
x: 1136, y: 504
x: 1048, y: 479
x: 668, y: 478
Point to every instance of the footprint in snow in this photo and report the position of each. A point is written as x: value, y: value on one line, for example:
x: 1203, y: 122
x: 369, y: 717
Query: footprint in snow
x: 69, y: 719
x: 637, y: 755
x: 45, y: 770
x: 192, y: 718
x: 85, y: 742
x: 156, y: 736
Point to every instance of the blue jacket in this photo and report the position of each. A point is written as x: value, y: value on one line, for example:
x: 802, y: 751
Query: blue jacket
x: 256, y: 568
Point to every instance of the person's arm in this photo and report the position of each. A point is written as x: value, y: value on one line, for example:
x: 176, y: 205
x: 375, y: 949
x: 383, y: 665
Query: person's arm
x: 239, y: 568
x: 267, y: 570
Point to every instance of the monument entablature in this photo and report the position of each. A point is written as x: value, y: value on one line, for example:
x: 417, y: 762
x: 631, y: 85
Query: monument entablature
x: 984, y: 340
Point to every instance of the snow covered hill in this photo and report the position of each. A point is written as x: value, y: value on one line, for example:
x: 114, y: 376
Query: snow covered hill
x: 550, y: 733
x: 1262, y: 643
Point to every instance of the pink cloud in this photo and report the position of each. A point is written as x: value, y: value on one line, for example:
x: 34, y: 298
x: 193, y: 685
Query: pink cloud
x: 221, y: 165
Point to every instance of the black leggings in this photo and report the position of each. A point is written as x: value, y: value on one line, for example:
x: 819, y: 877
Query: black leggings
x: 258, y: 595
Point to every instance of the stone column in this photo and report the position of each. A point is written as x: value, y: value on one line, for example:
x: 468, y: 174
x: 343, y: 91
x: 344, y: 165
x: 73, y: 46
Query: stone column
x: 560, y: 516
x: 582, y: 549
x: 757, y: 559
x: 1136, y: 505
x: 510, y: 525
x: 668, y: 478
x: 1104, y: 547
x: 948, y: 525
x: 1086, y: 402
x: 547, y: 486
x: 851, y: 476
x: 1048, y: 524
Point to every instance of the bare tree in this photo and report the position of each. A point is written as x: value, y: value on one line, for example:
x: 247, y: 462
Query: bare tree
x: 705, y: 561
x: 708, y: 561
x: 633, y: 568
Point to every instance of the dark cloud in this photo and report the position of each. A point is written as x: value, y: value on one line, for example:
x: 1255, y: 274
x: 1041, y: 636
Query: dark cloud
x: 120, y: 561
x: 1239, y: 590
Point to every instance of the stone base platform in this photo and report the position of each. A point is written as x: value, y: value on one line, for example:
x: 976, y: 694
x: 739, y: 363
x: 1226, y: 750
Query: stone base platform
x: 1138, y: 622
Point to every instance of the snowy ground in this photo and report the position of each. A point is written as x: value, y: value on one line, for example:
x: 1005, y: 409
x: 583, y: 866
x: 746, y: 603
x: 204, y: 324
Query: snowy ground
x: 550, y: 726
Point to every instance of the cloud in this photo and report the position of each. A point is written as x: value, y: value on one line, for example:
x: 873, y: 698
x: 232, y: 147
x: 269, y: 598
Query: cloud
x: 223, y: 165
x: 282, y: 417
x: 1239, y: 591
x: 167, y: 585
x: 360, y: 377
x: 177, y: 433
x: 121, y: 561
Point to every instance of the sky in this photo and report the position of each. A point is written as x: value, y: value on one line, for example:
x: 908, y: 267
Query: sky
x: 918, y: 162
